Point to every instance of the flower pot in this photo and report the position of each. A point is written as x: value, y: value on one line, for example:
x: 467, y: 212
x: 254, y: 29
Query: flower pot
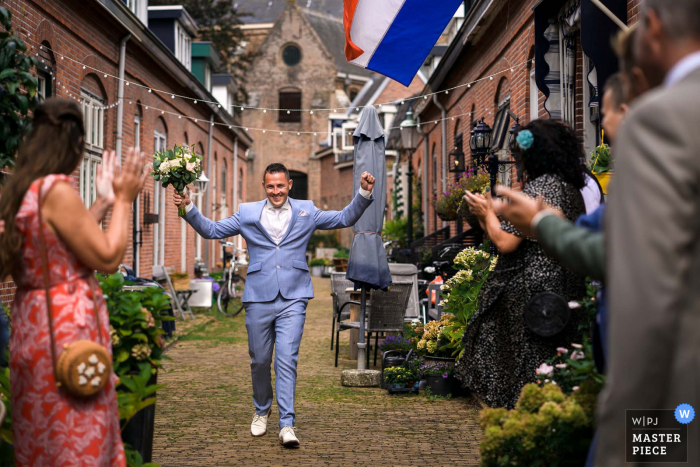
x: 440, y: 386
x: 392, y: 358
x: 604, y: 180
x: 180, y: 283
x: 138, y: 433
x: 396, y: 385
x: 447, y: 216
x: 317, y: 271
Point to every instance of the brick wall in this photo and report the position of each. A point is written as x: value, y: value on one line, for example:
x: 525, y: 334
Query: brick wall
x: 84, y: 32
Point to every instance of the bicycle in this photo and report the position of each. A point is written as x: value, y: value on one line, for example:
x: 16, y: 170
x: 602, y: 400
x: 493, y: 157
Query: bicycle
x: 232, y: 286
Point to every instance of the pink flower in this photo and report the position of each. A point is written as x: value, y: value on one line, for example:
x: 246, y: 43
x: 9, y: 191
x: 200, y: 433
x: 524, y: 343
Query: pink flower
x: 562, y: 350
x: 577, y: 355
x: 577, y: 346
x: 545, y: 369
x: 561, y: 366
x: 575, y: 388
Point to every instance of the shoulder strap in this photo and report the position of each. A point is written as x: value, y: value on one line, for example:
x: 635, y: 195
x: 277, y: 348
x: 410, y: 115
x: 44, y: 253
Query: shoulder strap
x: 45, y: 272
x: 47, y: 285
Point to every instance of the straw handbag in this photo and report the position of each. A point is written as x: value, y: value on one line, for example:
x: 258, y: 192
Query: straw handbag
x: 84, y: 367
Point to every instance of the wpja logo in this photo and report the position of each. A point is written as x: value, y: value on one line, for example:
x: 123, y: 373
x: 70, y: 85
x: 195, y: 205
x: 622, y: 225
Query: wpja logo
x: 658, y: 435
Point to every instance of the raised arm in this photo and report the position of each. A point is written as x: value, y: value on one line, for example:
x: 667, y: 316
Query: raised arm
x: 206, y: 227
x: 329, y: 220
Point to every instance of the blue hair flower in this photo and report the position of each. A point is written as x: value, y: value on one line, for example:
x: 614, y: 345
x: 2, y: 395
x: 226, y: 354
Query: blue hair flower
x: 525, y: 139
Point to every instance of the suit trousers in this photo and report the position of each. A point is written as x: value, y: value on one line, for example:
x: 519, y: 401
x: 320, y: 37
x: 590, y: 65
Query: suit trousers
x: 277, y: 324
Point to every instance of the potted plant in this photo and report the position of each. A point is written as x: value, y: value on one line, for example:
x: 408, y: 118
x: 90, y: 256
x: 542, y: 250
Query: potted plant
x: 137, y: 346
x: 399, y: 377
x: 432, y: 341
x: 446, y: 205
x: 601, y: 160
x: 440, y: 377
x: 317, y: 266
x: 180, y: 280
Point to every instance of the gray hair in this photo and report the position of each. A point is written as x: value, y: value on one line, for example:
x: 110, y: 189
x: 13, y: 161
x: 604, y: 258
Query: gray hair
x: 680, y: 18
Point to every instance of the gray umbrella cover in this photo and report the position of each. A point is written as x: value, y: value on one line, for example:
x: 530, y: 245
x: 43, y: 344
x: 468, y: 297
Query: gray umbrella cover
x: 368, y: 264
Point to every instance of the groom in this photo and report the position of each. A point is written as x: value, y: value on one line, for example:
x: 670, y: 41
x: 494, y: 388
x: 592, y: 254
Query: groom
x: 278, y: 287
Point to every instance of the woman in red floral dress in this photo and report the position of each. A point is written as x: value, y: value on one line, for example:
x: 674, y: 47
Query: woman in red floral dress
x: 51, y: 428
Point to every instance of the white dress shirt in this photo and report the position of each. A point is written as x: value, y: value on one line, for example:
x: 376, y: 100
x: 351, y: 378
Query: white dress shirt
x: 682, y: 69
x: 276, y: 220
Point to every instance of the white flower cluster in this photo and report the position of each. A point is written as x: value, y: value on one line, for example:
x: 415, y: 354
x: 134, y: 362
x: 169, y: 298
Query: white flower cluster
x: 181, y: 161
x: 460, y: 278
x: 471, y: 257
x: 90, y: 371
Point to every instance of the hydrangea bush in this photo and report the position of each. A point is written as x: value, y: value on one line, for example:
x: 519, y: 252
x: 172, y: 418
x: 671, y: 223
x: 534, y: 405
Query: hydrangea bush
x: 547, y: 428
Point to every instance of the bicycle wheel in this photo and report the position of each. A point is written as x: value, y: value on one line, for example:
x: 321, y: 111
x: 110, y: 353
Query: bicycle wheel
x: 236, y: 287
x: 226, y: 304
x: 222, y: 300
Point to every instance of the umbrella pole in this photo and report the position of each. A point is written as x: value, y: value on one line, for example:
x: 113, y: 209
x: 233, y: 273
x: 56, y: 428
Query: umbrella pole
x: 362, y: 345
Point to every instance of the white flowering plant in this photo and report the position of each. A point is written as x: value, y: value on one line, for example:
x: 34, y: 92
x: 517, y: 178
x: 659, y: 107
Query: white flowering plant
x: 460, y: 293
x: 179, y: 167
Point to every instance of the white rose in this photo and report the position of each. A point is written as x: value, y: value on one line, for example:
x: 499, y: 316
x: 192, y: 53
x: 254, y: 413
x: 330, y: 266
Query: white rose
x: 191, y: 166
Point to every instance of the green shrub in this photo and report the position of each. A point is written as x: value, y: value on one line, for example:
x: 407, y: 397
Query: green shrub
x: 18, y: 89
x: 342, y: 253
x: 317, y: 262
x: 547, y: 428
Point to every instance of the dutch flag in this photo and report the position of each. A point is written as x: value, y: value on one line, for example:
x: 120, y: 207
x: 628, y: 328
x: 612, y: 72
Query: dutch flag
x: 393, y: 37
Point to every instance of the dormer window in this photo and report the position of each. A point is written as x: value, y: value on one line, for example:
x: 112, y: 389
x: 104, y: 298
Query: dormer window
x: 183, y: 45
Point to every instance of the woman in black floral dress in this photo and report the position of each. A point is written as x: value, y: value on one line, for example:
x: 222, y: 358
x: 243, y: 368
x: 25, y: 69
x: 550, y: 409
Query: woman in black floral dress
x: 501, y: 353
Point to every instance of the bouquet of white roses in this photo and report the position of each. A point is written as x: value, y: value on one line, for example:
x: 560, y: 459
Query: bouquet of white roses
x: 178, y: 167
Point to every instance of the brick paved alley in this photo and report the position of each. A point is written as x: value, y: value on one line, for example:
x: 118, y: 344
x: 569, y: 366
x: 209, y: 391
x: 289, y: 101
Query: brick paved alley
x: 203, y: 415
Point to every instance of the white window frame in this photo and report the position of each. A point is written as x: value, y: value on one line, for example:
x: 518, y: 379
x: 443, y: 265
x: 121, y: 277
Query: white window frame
x: 207, y: 76
x: 93, y: 117
x: 534, y: 97
x: 160, y: 142
x: 137, y: 204
x: 183, y: 45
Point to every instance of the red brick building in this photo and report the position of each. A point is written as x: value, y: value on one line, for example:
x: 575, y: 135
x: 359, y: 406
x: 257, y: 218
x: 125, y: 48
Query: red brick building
x: 508, y: 51
x: 79, y: 44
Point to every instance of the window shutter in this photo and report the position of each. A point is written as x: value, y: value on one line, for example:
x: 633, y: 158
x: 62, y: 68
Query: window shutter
x: 289, y: 100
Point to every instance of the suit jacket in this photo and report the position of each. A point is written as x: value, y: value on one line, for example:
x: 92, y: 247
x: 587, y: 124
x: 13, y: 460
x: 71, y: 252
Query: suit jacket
x: 653, y: 273
x: 278, y: 269
x: 578, y: 248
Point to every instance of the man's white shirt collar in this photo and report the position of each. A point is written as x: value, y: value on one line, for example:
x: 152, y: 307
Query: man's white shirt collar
x: 270, y: 207
x: 682, y: 69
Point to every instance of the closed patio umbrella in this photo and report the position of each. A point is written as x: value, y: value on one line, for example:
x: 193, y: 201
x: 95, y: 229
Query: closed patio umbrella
x: 368, y: 267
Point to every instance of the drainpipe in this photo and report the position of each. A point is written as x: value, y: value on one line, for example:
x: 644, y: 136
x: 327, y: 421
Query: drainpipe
x: 426, y: 159
x: 212, y: 176
x: 443, y: 110
x: 120, y: 94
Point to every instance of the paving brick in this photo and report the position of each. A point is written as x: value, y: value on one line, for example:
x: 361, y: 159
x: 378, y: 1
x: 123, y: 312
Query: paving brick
x: 203, y: 415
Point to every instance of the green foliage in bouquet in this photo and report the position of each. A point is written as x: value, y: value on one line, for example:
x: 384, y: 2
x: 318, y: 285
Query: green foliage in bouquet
x: 461, y: 292
x: 179, y: 167
x: 601, y: 159
x: 547, y: 428
x: 18, y: 90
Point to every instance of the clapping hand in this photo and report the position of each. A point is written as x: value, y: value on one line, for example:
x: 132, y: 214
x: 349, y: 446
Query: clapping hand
x: 479, y: 205
x: 520, y: 209
x: 105, y: 177
x: 367, y: 181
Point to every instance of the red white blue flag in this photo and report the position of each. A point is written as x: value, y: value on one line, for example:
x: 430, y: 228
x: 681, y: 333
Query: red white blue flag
x: 393, y: 37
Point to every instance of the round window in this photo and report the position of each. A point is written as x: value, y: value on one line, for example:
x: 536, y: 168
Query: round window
x: 291, y: 55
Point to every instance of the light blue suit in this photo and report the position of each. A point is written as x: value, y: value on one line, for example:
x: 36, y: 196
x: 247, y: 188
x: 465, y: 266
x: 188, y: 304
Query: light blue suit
x: 278, y: 287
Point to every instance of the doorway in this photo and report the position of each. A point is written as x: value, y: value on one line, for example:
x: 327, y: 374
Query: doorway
x: 300, y: 187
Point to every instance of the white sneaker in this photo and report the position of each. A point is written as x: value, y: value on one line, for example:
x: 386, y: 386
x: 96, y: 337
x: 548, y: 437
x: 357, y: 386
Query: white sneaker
x: 288, y: 438
x: 259, y: 425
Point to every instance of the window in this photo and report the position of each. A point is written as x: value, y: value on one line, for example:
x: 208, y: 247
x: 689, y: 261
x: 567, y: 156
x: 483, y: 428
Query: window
x: 291, y: 55
x: 137, y: 132
x: 207, y: 76
x: 183, y: 46
x: 93, y: 116
x: 289, y: 100
x: 222, y: 191
x: 133, y: 5
x: 501, y: 126
x: 159, y: 195
x: 44, y: 89
x: 534, y: 97
x: 240, y: 187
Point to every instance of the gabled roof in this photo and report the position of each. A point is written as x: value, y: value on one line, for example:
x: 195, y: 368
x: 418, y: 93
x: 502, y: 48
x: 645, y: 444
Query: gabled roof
x: 267, y: 11
x: 332, y: 33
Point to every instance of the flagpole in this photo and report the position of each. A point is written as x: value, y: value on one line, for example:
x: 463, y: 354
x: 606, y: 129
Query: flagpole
x: 610, y: 15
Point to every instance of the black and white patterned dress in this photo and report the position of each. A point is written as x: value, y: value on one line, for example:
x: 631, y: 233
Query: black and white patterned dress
x: 501, y: 353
